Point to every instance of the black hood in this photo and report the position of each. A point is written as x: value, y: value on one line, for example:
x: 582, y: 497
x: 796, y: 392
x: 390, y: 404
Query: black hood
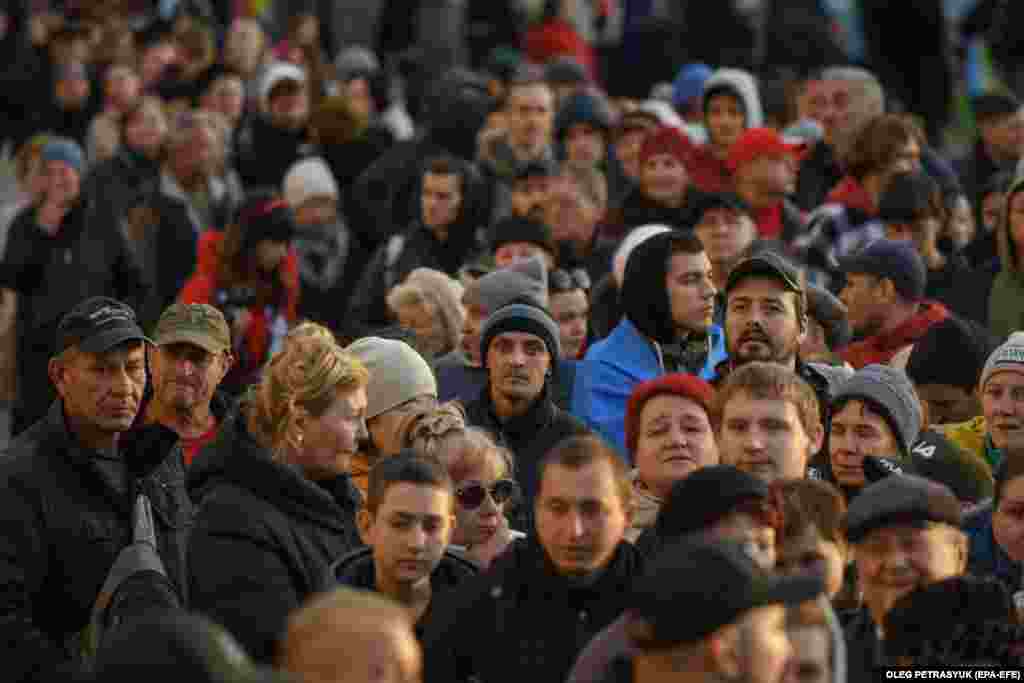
x: 464, y: 235
x: 234, y: 457
x: 644, y: 298
x: 456, y: 109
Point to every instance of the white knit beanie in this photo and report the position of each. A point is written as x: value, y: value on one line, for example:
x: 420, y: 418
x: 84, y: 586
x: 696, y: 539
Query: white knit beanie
x: 1008, y: 357
x: 308, y: 179
x: 277, y: 72
x: 398, y: 373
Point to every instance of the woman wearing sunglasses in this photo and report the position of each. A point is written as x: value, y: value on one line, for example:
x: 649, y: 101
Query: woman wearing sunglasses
x: 484, y: 493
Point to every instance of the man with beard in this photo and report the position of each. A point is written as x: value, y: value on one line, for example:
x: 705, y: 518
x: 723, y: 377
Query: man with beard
x: 277, y: 136
x: 766, y: 321
x: 190, y: 356
x: 520, y: 348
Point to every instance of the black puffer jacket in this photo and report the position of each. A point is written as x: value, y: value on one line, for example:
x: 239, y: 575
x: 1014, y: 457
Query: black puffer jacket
x: 357, y: 570
x: 65, y: 515
x: 521, y: 621
x: 264, y: 536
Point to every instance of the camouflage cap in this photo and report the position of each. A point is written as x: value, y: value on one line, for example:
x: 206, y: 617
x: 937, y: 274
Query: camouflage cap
x: 198, y: 324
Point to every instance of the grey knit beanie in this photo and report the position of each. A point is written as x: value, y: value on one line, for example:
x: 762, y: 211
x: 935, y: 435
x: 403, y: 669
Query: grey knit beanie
x: 526, y: 279
x: 890, y: 391
x: 1009, y: 356
x: 398, y: 373
x: 522, y: 317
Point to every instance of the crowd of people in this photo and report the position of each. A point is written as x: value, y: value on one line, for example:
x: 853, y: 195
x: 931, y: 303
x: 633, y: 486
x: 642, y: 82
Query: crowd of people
x: 328, y: 370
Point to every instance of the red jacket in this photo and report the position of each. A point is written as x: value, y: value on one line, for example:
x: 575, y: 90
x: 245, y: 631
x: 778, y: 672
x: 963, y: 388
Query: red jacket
x: 881, y: 348
x: 203, y: 286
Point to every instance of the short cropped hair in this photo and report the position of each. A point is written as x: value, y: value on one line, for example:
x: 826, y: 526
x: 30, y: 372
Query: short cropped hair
x: 577, y: 452
x: 812, y: 504
x: 769, y: 381
x: 405, y: 468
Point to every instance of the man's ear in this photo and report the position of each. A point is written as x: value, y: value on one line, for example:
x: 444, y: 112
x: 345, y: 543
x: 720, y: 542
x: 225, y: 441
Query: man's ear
x: 55, y: 371
x: 817, y: 439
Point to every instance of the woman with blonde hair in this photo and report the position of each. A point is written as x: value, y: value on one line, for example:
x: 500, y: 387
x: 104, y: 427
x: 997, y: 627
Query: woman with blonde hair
x: 481, y: 471
x: 275, y: 502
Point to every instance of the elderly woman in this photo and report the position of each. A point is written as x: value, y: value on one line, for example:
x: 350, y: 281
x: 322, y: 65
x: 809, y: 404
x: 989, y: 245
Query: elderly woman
x: 275, y: 502
x: 669, y: 435
x: 429, y: 303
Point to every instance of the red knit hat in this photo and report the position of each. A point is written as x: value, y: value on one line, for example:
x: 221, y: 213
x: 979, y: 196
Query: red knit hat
x: 679, y: 384
x: 756, y: 143
x: 667, y: 140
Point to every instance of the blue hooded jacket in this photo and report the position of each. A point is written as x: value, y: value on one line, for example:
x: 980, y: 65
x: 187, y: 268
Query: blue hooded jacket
x: 631, y: 354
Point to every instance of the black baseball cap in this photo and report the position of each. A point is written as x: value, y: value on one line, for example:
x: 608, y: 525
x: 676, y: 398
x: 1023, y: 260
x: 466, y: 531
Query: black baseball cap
x: 692, y: 589
x: 766, y: 264
x: 97, y: 325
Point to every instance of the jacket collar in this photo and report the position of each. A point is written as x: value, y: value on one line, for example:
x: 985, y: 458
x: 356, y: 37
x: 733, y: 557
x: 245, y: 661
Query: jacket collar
x: 236, y: 457
x: 528, y: 566
x: 538, y: 416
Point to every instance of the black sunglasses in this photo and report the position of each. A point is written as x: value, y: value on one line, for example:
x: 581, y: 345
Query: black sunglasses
x: 567, y: 280
x: 472, y: 496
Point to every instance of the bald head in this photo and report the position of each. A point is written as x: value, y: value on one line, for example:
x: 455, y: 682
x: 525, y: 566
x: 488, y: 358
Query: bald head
x: 379, y: 643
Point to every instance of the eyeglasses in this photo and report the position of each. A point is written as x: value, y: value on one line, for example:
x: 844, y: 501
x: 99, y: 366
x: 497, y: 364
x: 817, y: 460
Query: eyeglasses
x: 567, y: 280
x: 472, y: 496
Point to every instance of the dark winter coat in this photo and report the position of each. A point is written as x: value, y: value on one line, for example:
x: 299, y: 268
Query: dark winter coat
x: 264, y: 153
x: 357, y: 570
x: 529, y: 436
x: 418, y: 247
x: 264, y: 536
x: 521, y: 621
x: 65, y: 516
x: 93, y: 257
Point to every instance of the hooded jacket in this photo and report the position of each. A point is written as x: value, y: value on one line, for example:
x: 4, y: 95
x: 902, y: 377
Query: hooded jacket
x: 357, y: 570
x: 1006, y: 302
x: 708, y: 172
x: 264, y: 330
x: 635, y: 350
x: 264, y: 536
x: 521, y: 621
x: 418, y: 247
x: 65, y: 515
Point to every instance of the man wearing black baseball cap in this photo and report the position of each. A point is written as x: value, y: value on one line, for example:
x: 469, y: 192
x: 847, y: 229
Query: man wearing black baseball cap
x: 707, y: 609
x: 766, y: 319
x: 68, y: 487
